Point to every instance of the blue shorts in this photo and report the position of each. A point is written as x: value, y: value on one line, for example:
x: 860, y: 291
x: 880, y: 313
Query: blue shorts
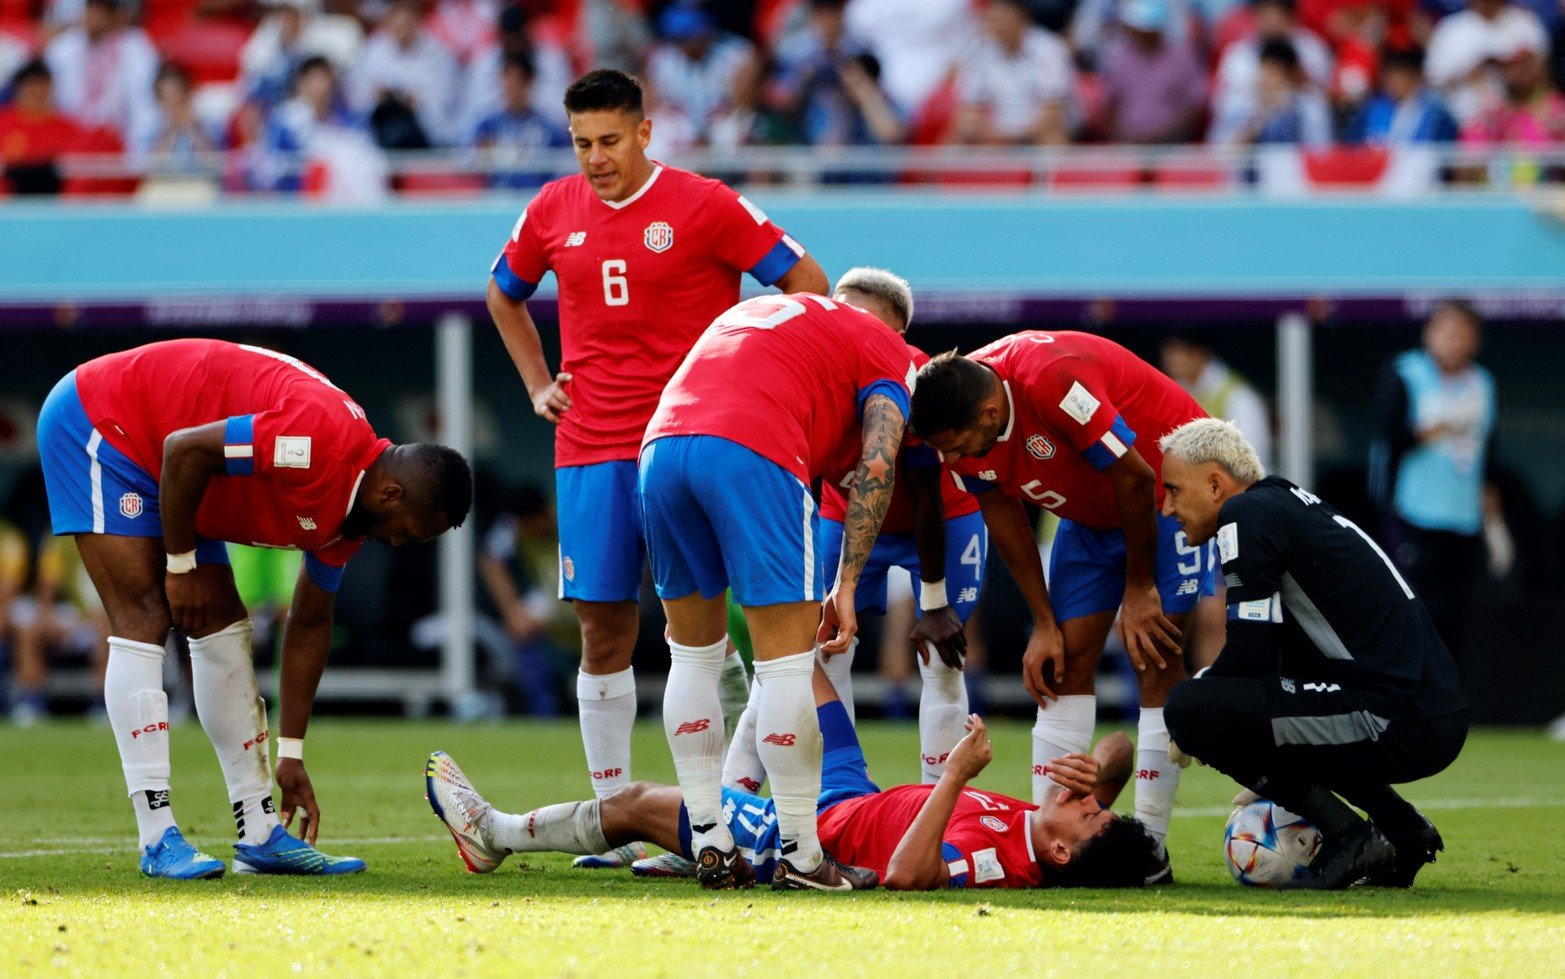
x: 1087, y: 570
x: 717, y: 515
x: 967, y: 552
x: 94, y: 488
x: 753, y: 820
x: 601, y: 548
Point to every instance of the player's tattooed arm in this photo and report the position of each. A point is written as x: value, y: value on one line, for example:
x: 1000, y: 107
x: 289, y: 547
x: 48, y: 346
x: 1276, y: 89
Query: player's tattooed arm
x: 872, y: 486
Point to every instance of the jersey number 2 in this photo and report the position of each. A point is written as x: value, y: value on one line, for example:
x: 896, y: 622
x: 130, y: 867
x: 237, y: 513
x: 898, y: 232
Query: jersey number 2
x: 616, y: 288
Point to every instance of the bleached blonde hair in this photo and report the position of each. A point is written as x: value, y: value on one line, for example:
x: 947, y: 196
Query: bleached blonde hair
x: 882, y: 284
x: 1215, y: 440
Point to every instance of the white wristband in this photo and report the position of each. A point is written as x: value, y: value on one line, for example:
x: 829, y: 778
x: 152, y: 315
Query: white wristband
x: 932, y: 595
x: 290, y: 748
x: 182, y: 563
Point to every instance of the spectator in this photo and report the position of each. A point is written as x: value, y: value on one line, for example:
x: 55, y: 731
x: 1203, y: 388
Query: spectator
x: 1096, y: 22
x: 1154, y: 86
x: 465, y: 27
x: 405, y: 81
x: 14, y: 560
x: 693, y: 70
x: 829, y: 82
x: 1528, y: 111
x: 1219, y: 389
x: 34, y: 133
x: 1015, y: 85
x: 1468, y: 47
x: 62, y: 616
x: 103, y: 70
x: 519, y: 566
x: 1239, y: 72
x: 1547, y: 11
x: 292, y: 31
x: 919, y: 44
x: 175, y: 138
x: 1432, y: 456
x: 616, y: 34
x: 13, y: 55
x: 313, y: 143
x: 552, y: 74
x: 750, y: 120
x: 516, y: 131
x: 1405, y: 111
x: 1288, y: 109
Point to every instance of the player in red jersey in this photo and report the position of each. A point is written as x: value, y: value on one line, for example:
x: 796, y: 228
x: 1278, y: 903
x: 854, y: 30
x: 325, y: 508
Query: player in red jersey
x: 915, y: 837
x: 153, y: 458
x: 1070, y: 421
x: 778, y: 393
x: 646, y: 256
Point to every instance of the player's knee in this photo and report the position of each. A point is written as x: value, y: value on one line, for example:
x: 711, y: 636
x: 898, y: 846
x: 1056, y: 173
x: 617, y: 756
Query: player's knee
x: 143, y: 619
x: 1188, y: 719
x: 628, y: 797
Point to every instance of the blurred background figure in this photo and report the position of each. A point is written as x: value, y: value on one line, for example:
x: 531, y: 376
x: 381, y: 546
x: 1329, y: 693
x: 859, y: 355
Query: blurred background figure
x: 406, y: 83
x: 1240, y: 83
x: 34, y: 134
x: 520, y: 566
x: 59, y: 617
x: 483, y: 87
x: 175, y: 138
x: 1405, y: 111
x: 919, y: 45
x: 1433, y: 454
x: 14, y: 558
x: 517, y: 131
x: 314, y: 144
x: 103, y: 70
x: 1154, y: 82
x: 828, y: 82
x: 1288, y: 110
x: 291, y: 31
x: 692, y: 71
x: 1527, y: 110
x: 1014, y: 87
x: 1468, y: 47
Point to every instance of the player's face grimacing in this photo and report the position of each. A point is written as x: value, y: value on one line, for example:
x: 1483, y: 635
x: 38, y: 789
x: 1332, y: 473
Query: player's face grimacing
x: 1064, y: 824
x: 611, y: 146
x: 1193, y: 495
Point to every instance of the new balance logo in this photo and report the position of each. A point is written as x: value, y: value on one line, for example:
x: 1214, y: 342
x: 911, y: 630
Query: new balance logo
x: 748, y: 784
x: 575, y: 239
x: 693, y: 727
x: 306, y: 523
x: 784, y: 740
x: 968, y: 594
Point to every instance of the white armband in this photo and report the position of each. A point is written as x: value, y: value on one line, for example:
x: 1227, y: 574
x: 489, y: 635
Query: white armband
x: 290, y: 748
x: 932, y: 595
x: 182, y: 563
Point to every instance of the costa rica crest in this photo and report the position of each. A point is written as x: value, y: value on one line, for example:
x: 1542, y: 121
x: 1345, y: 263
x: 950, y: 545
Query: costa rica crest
x: 131, y: 505
x: 659, y: 236
x: 1040, y: 447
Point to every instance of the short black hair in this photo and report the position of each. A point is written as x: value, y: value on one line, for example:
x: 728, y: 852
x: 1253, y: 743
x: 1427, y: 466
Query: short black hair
x: 36, y: 69
x: 1280, y: 51
x: 1460, y: 307
x: 1123, y: 855
x: 605, y: 90
x: 439, y: 477
x: 313, y: 63
x: 522, y: 62
x: 949, y: 394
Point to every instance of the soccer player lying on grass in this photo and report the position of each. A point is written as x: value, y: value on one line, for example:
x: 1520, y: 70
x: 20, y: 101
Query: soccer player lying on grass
x: 915, y: 837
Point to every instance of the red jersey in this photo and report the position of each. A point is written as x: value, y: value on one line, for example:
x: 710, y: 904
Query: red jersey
x: 639, y: 279
x: 987, y: 842
x: 786, y: 377
x: 1078, y: 402
x: 955, y: 501
x: 296, y: 444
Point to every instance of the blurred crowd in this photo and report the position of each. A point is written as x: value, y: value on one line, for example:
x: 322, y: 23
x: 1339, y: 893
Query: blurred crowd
x: 166, y: 81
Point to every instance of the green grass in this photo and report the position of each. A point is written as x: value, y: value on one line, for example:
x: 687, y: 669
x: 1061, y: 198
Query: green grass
x: 71, y: 901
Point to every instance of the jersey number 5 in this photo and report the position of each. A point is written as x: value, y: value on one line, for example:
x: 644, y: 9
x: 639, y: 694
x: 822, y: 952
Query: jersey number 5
x: 616, y: 288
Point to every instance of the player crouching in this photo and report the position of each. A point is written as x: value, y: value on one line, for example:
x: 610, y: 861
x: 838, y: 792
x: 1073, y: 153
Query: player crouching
x: 913, y: 837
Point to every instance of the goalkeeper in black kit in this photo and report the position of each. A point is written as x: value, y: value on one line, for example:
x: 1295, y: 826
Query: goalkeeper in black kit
x: 1333, y: 684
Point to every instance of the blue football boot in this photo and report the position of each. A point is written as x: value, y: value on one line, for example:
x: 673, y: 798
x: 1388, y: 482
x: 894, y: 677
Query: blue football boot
x: 284, y: 854
x: 173, y: 858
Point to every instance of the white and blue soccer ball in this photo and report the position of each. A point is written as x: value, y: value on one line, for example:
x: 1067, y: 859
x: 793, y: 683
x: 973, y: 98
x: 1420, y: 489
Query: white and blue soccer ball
x: 1265, y: 845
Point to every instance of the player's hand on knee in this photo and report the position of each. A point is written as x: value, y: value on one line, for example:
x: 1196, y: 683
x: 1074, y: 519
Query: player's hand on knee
x: 293, y: 783
x: 189, y: 602
x: 973, y: 753
x: 940, y: 630
x: 1076, y: 771
x: 1147, y: 632
x: 1045, y: 657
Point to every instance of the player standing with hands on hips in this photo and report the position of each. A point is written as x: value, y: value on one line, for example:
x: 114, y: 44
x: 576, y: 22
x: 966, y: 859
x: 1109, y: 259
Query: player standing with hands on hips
x: 646, y: 256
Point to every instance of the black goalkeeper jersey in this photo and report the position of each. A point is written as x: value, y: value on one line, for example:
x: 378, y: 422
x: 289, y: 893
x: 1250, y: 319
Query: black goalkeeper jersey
x: 1342, y: 613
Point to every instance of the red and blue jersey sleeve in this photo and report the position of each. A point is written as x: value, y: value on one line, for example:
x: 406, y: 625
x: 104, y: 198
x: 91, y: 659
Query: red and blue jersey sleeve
x: 1072, y: 396
x: 989, y: 849
x: 325, y: 566
x: 745, y: 238
x: 292, y: 443
x: 886, y: 369
x: 523, y: 261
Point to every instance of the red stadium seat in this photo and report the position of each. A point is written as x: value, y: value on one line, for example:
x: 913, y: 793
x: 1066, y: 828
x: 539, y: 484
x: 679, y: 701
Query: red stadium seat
x: 1192, y: 173
x: 208, y: 49
x: 1091, y: 178
x: 100, y: 142
x: 440, y: 184
x: 1346, y: 166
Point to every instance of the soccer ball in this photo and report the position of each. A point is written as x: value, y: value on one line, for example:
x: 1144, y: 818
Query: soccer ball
x: 1265, y: 845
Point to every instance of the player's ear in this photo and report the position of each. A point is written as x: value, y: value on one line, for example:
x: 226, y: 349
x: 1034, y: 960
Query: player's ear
x: 644, y: 132
x: 391, y: 491
x: 1055, y: 853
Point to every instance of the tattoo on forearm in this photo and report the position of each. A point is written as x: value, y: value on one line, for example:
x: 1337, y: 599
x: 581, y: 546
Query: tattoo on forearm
x: 871, y: 493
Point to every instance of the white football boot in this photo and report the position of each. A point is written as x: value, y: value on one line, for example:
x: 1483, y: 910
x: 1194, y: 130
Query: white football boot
x: 465, y: 813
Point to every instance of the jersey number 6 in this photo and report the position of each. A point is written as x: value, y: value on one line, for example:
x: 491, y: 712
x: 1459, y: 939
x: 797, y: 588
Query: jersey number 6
x: 616, y: 288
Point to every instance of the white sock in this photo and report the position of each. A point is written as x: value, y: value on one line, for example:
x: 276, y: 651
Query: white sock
x: 693, y: 722
x: 607, y: 705
x: 942, y: 715
x: 742, y: 769
x: 839, y: 670
x: 229, y: 704
x: 138, y: 716
x: 790, y: 747
x: 733, y: 690
x: 1066, y: 726
x: 569, y: 827
x: 1157, y: 778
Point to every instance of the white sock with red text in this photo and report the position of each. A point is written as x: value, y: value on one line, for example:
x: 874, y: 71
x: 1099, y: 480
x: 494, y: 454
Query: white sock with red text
x: 607, y: 706
x: 742, y: 769
x: 569, y: 827
x: 942, y: 715
x: 1157, y: 778
x: 1065, y: 726
x: 693, y: 722
x: 138, y: 716
x: 229, y: 704
x: 839, y: 670
x: 790, y: 747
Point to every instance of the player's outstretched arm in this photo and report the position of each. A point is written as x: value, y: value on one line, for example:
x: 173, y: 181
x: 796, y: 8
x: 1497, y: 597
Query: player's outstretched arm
x: 805, y: 276
x: 939, y: 627
x: 1146, y: 630
x: 917, y: 864
x: 191, y: 457
x: 306, y: 644
x: 867, y: 503
x: 520, y: 335
x: 1011, y: 534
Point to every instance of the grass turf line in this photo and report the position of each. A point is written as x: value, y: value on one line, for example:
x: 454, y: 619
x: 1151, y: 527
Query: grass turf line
x: 71, y: 900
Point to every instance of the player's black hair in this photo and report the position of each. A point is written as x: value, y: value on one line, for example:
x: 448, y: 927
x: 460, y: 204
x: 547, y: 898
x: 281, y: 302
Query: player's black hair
x: 950, y: 391
x: 1280, y: 51
x: 34, y: 69
x: 1460, y: 307
x: 440, y: 477
x: 604, y: 90
x: 522, y: 63
x: 1123, y: 855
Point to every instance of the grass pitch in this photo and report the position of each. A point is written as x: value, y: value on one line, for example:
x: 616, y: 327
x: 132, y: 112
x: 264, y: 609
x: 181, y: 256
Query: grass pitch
x: 72, y: 902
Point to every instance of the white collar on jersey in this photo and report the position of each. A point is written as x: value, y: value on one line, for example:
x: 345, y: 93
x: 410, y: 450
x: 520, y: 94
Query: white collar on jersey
x: 1010, y: 404
x: 657, y: 168
x: 353, y: 494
